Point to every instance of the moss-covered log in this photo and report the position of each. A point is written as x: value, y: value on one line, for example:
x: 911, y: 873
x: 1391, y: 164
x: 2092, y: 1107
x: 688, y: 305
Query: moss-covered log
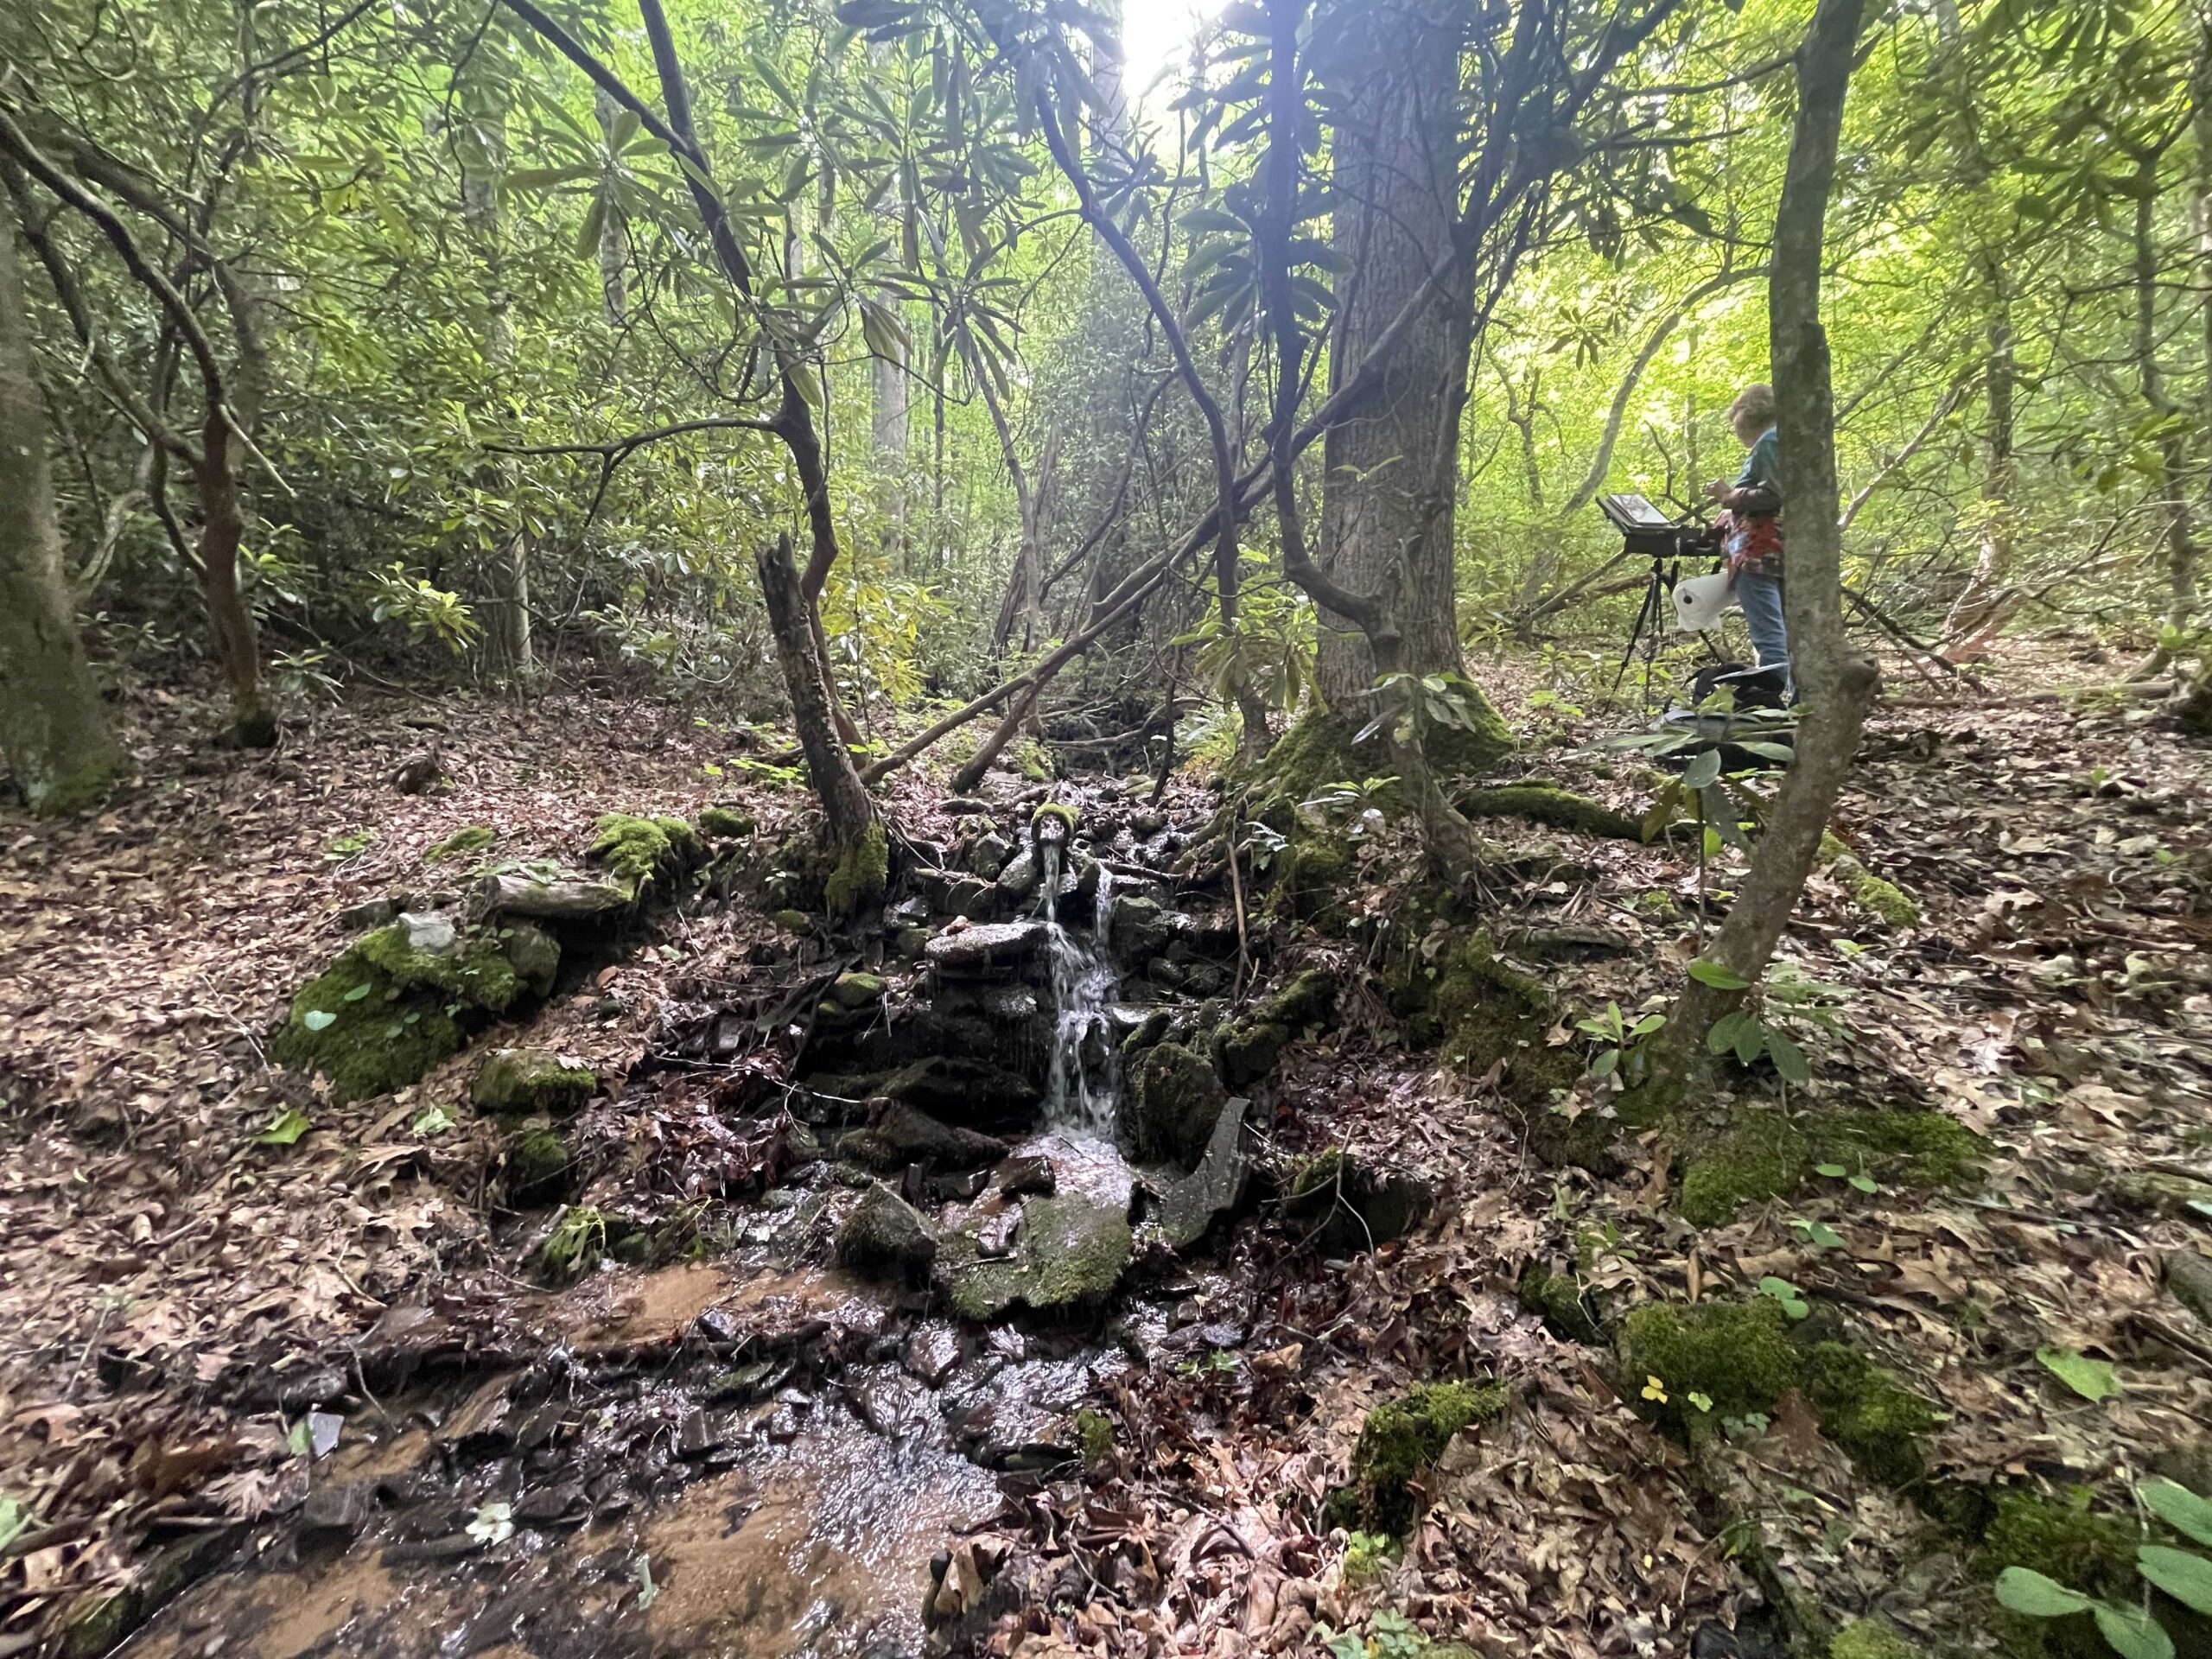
x: 1547, y: 803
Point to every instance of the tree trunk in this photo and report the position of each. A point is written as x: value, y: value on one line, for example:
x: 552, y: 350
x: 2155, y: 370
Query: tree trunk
x: 1388, y: 480
x: 1836, y: 684
x: 2173, y: 440
x: 1981, y: 598
x: 614, y: 235
x: 845, y: 804
x: 58, y: 740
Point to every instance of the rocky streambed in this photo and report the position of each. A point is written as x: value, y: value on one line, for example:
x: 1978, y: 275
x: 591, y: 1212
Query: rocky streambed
x: 987, y: 1139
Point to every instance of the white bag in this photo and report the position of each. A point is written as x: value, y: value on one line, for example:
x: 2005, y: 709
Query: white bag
x: 1699, y: 602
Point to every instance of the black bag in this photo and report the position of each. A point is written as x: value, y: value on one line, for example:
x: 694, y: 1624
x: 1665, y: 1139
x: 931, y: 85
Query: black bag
x: 1754, y: 688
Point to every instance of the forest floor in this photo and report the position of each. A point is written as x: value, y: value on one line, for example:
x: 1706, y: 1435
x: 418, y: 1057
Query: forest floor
x: 207, y: 1266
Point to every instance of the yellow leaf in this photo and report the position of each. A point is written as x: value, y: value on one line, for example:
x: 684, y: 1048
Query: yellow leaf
x: 1655, y: 1390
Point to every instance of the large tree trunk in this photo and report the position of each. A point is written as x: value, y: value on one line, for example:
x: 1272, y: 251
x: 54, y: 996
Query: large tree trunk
x: 1388, y: 484
x: 1836, y: 684
x: 55, y: 729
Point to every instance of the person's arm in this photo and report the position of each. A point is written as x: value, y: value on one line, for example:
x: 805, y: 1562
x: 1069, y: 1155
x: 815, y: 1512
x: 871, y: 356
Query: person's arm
x: 1759, y: 486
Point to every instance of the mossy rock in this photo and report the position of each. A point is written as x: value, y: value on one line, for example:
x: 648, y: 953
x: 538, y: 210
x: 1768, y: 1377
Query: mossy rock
x: 1060, y: 810
x: 1399, y: 1443
x: 1172, y: 1105
x: 645, y: 855
x: 885, y: 1237
x: 1246, y: 1052
x: 515, y: 1082
x: 1865, y: 1410
x: 533, y: 953
x: 860, y: 875
x: 2065, y: 1539
x: 855, y: 990
x: 1349, y: 1207
x: 723, y: 823
x: 390, y: 1006
x: 1481, y: 1012
x: 473, y: 839
x: 540, y: 1170
x: 1740, y: 1358
x: 1569, y: 1309
x: 1068, y: 1260
x: 794, y: 921
x: 1094, y: 1437
x: 1762, y: 1157
x: 1870, y: 1638
x: 1737, y: 1355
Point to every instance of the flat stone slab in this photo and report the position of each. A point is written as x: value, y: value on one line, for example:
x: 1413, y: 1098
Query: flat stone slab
x: 987, y: 948
x: 1189, y: 1209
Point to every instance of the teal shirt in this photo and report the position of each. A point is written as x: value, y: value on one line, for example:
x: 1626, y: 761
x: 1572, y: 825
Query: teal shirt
x: 1763, y: 464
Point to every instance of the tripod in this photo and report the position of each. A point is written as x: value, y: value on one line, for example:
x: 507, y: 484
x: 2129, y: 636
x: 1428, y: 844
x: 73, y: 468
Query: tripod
x: 1650, y: 621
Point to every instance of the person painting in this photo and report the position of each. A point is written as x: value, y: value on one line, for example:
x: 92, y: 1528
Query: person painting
x: 1750, y: 528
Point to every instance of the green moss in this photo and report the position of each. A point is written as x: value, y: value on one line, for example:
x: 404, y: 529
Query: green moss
x: 1175, y: 1099
x: 796, y: 921
x: 1904, y: 1148
x: 1058, y: 810
x: 1870, y: 1638
x: 474, y: 839
x: 515, y: 1081
x: 1547, y: 803
x: 724, y: 824
x: 1865, y: 1410
x: 1094, y: 1437
x: 539, y: 1169
x: 640, y: 853
x: 1560, y: 1299
x: 383, y: 1013
x: 1887, y: 901
x: 577, y: 1241
x: 1737, y: 1355
x: 1399, y: 1442
x: 861, y: 875
x: 1246, y: 1052
x: 474, y: 969
x: 1069, y: 1259
x: 1761, y: 1158
x: 1350, y: 1208
x: 2063, y: 1539
x: 1484, y: 1012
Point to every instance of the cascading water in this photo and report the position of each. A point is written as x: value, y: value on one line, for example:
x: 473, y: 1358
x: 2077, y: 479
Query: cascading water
x: 1080, y: 1084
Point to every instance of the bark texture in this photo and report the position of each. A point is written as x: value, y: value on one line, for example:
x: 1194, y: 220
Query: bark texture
x: 1836, y: 684
x: 845, y: 803
x: 1388, y: 488
x: 58, y: 741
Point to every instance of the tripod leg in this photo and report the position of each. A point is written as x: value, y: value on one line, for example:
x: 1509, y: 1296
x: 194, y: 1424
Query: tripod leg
x: 1648, y: 611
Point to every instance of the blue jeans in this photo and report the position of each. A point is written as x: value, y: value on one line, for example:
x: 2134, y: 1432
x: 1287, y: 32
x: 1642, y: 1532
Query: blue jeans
x: 1761, y: 598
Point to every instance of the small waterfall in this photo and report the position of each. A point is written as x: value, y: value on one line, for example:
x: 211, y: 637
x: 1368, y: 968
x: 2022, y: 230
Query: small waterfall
x: 1079, y: 1087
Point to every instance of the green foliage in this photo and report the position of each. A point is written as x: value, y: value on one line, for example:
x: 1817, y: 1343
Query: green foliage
x: 1398, y: 1443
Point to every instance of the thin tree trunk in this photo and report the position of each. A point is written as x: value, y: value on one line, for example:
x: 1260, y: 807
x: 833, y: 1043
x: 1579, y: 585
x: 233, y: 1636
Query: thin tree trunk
x: 845, y: 803
x: 613, y: 234
x: 1837, y: 685
x: 58, y: 740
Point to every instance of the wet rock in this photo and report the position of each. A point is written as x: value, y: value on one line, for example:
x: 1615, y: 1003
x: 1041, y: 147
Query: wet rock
x: 986, y: 854
x: 1070, y: 1257
x: 959, y: 1089
x: 1019, y: 1177
x: 912, y: 943
x: 995, y: 1238
x: 970, y: 896
x: 700, y: 1434
x: 884, y: 1238
x: 1216, y: 1188
x: 962, y: 1188
x: 931, y: 1352
x: 451, y: 1548
x: 1143, y: 928
x: 2189, y: 1278
x: 966, y: 805
x: 1018, y: 878
x: 515, y: 1082
x: 339, y: 1510
x: 1012, y: 1005
x: 551, y: 1506
x: 1169, y: 975
x: 534, y: 954
x: 1171, y: 1108
x: 991, y: 948
x: 902, y: 1133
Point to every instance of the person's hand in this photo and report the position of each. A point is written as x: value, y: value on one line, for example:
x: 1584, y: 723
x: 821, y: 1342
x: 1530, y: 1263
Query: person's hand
x: 1717, y: 490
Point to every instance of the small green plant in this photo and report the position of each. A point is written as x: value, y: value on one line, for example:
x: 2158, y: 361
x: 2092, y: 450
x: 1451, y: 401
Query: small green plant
x: 351, y: 844
x: 1390, y: 1635
x: 1621, y: 1039
x: 1787, y: 998
x: 769, y: 772
x: 426, y: 612
x: 578, y: 1239
x: 1355, y: 803
x: 1366, y: 1553
x: 1861, y: 1181
x: 1791, y: 1299
x: 2092, y: 1379
x: 2129, y: 1629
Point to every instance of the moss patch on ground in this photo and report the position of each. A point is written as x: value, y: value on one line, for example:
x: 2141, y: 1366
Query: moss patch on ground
x: 2063, y: 1539
x: 1762, y: 1157
x: 1350, y: 1207
x: 517, y: 1081
x: 1398, y: 1444
x: 1903, y: 1148
x: 1481, y: 1011
x: 474, y: 839
x: 1566, y: 1306
x: 1885, y: 900
x: 1739, y: 1359
x: 1870, y: 1638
